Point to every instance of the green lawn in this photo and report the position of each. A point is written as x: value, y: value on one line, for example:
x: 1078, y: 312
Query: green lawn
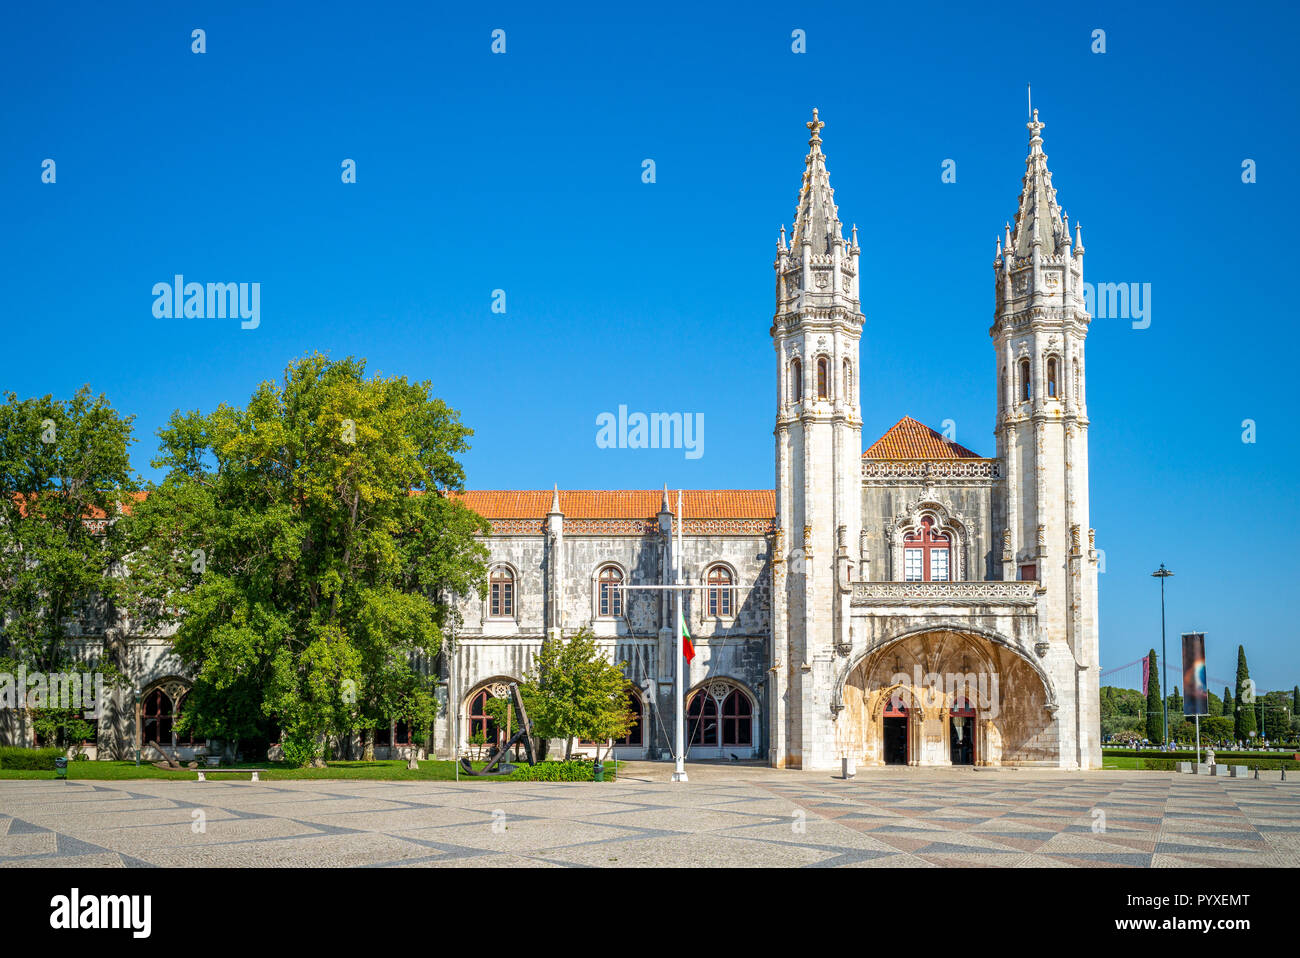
x: 395, y: 770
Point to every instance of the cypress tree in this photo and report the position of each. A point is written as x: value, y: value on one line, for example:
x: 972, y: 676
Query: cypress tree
x: 1175, y: 704
x: 1155, y: 716
x: 1229, y: 706
x: 1245, y: 701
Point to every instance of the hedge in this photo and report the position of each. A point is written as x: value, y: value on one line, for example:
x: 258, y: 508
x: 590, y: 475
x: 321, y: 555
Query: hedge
x: 572, y: 771
x: 1161, y: 761
x: 29, y: 759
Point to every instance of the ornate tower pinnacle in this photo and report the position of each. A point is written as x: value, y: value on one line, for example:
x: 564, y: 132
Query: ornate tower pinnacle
x: 816, y: 219
x: 1039, y: 330
x: 815, y: 331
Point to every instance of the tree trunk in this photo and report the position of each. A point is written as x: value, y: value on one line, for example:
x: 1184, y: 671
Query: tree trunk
x: 367, y: 745
x: 568, y: 748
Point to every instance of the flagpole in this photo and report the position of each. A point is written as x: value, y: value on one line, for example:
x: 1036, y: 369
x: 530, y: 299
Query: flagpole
x: 679, y: 771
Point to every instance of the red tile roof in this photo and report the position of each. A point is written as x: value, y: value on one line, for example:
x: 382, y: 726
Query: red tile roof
x: 909, y: 439
x: 621, y: 503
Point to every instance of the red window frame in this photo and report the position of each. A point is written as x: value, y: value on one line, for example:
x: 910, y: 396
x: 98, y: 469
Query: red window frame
x: 634, y: 734
x: 722, y: 597
x: 928, y: 543
x: 1029, y: 573
x: 737, y: 720
x: 609, y: 595
x: 702, y: 720
x: 480, y: 720
x: 501, y: 603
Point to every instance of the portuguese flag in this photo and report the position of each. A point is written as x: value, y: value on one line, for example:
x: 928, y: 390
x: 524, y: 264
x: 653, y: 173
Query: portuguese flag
x: 687, y: 648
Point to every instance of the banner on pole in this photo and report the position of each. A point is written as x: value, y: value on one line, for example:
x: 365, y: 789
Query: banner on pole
x: 1196, y: 697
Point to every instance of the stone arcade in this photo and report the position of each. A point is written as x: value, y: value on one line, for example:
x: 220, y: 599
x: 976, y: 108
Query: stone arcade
x: 917, y: 603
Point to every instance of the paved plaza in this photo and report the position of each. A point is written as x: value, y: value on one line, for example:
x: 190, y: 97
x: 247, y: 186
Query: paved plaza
x: 726, y: 816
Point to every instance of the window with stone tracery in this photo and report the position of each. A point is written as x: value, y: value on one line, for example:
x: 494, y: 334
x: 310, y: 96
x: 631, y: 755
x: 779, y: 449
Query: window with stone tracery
x: 796, y: 380
x: 823, y: 378
x: 1026, y: 387
x: 927, y: 554
x: 1052, y: 389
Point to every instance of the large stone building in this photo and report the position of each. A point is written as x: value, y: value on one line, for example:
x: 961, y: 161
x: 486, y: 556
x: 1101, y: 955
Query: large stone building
x: 917, y: 603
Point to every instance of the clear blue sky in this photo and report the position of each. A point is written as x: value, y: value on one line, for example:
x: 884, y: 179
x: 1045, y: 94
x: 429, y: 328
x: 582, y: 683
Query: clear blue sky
x: 523, y: 172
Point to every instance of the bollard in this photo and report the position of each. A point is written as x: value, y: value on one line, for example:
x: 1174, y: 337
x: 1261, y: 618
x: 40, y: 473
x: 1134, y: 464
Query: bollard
x: 850, y: 768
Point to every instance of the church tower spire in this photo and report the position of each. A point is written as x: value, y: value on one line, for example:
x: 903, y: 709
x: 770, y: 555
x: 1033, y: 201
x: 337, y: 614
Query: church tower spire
x: 815, y: 331
x: 1041, y: 425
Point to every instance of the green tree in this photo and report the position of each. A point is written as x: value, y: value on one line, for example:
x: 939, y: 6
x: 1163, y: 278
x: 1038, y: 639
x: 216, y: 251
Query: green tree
x: 575, y: 691
x: 1276, y: 719
x: 1175, y: 705
x: 1229, y: 706
x: 1155, y: 717
x: 307, y: 549
x: 1215, y: 705
x: 64, y: 479
x: 1244, y: 698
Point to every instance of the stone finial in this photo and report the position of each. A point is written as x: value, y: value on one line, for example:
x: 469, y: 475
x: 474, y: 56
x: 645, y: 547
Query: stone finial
x: 555, y: 499
x: 815, y: 126
x: 1033, y: 126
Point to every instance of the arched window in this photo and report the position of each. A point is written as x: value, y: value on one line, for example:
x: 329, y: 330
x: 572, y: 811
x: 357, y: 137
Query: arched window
x: 722, y: 597
x: 1026, y: 389
x: 637, y: 708
x: 501, y: 600
x: 702, y: 720
x: 823, y: 378
x: 158, y: 715
x: 1052, y: 389
x: 480, y: 722
x: 737, y: 720
x: 156, y: 718
x: 796, y: 380
x: 609, y: 595
x: 926, y: 555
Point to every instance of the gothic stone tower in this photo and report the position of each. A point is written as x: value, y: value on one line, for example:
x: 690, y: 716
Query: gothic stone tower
x: 815, y: 331
x: 1038, y: 331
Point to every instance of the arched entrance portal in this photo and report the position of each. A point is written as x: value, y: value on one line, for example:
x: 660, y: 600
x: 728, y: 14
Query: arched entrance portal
x: 946, y: 698
x: 893, y: 727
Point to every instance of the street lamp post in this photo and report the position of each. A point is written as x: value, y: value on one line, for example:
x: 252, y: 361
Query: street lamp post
x: 1162, y: 573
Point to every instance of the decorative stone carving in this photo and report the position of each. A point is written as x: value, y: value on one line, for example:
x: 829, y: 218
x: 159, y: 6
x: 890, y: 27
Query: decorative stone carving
x: 931, y: 469
x: 993, y: 592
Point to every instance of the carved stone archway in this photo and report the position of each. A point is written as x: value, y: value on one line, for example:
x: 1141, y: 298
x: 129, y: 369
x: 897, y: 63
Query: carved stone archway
x: 933, y: 670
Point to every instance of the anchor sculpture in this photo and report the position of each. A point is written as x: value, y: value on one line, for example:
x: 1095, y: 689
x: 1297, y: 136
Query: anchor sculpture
x: 495, y: 765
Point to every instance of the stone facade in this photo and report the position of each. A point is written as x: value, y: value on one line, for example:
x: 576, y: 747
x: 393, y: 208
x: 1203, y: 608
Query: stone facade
x: 918, y: 603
